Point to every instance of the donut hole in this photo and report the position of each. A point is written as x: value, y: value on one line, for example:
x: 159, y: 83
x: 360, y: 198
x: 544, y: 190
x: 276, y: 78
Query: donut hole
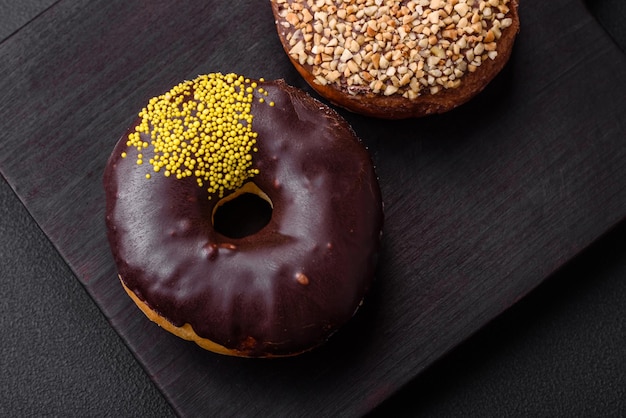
x: 242, y: 213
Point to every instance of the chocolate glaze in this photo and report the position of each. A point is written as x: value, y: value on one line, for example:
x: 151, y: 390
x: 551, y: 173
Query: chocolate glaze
x: 284, y: 289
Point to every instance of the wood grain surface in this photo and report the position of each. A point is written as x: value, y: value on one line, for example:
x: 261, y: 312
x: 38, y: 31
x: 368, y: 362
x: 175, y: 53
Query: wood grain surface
x: 482, y: 204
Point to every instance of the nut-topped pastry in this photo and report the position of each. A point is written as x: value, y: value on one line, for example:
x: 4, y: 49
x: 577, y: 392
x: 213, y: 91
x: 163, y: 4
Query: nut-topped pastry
x: 397, y: 59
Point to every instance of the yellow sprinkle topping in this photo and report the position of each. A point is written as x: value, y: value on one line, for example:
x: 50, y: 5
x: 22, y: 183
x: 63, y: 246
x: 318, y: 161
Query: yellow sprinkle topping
x: 201, y: 128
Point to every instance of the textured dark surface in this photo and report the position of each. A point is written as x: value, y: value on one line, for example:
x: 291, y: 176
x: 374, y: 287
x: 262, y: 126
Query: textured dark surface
x: 610, y: 14
x: 558, y: 352
x: 58, y: 354
x: 15, y: 14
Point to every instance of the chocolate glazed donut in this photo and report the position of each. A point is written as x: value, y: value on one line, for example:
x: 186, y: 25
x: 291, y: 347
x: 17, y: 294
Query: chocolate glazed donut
x: 281, y: 290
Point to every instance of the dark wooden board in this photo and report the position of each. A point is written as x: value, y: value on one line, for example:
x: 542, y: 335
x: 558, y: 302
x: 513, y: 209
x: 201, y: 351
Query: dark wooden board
x: 482, y: 204
x: 14, y: 15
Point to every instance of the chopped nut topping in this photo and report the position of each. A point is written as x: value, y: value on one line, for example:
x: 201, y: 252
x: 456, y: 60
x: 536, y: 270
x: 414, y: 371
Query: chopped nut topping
x: 391, y: 47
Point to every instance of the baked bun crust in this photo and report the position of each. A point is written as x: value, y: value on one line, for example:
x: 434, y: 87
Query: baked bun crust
x: 186, y: 331
x: 280, y: 289
x: 398, y: 59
